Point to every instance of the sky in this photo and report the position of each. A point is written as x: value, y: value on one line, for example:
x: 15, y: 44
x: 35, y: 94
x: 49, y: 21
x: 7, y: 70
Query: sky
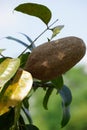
x: 70, y: 13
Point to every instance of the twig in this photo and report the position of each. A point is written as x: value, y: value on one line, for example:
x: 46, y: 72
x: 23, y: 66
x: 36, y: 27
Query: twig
x: 48, y: 27
x: 2, y: 55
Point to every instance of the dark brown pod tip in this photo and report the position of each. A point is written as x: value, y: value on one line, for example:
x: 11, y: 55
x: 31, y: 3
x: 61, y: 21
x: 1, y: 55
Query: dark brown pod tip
x: 54, y: 58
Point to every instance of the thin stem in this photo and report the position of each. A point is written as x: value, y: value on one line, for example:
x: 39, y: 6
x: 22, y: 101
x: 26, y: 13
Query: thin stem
x: 48, y: 27
x: 16, y: 118
x: 45, y: 30
x: 2, y: 55
x: 53, y: 23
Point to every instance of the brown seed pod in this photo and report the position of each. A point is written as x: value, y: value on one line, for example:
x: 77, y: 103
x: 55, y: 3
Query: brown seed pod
x: 54, y: 58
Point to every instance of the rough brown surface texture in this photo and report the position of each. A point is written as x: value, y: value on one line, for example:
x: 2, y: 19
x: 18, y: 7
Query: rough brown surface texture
x: 54, y: 58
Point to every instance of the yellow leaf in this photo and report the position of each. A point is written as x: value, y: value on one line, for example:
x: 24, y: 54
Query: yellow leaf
x: 7, y: 70
x: 17, y: 91
x: 56, y: 30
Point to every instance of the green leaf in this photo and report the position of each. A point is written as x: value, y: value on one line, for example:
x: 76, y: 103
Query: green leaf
x: 23, y: 59
x: 28, y: 38
x: 56, y: 30
x: 7, y: 70
x: 17, y: 40
x: 66, y: 95
x: 26, y: 102
x: 22, y: 122
x: 58, y: 82
x: 2, y: 59
x: 36, y: 10
x: 31, y: 46
x: 66, y: 116
x: 66, y: 101
x: 31, y: 127
x: 47, y: 96
x: 26, y: 111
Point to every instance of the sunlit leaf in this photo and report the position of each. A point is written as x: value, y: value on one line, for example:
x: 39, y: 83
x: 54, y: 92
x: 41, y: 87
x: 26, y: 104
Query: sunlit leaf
x: 66, y: 116
x: 7, y: 70
x: 17, y: 91
x: 47, y: 96
x: 56, y: 30
x: 66, y: 95
x: 58, y: 82
x: 37, y: 10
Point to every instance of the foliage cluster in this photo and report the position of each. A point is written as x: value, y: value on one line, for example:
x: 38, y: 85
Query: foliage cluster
x: 17, y: 86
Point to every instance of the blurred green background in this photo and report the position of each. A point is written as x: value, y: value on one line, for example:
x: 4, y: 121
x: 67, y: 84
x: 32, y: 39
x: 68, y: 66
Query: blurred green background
x: 76, y: 80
